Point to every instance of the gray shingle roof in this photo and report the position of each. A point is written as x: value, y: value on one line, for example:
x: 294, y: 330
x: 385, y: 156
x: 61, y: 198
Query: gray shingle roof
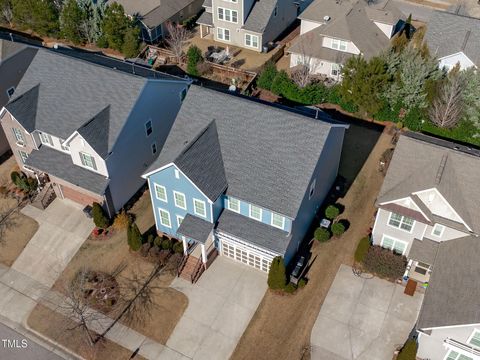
x: 8, y: 48
x: 424, y: 250
x: 453, y: 292
x: 253, y: 231
x: 24, y: 107
x: 96, y: 132
x: 448, y: 34
x: 269, y: 154
x: 415, y: 166
x: 70, y: 92
x: 207, y: 3
x: 260, y: 15
x: 205, y: 19
x: 58, y: 164
x: 195, y: 228
x: 201, y: 161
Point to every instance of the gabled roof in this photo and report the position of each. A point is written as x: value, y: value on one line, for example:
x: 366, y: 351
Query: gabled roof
x: 449, y: 34
x: 68, y: 92
x: 421, y: 162
x: 453, y: 292
x: 201, y: 161
x: 258, y: 18
x: 96, y: 132
x: 8, y: 48
x: 268, y: 154
x: 195, y: 228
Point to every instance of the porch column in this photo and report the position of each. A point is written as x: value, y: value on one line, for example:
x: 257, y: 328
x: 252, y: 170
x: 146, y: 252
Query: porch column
x: 201, y: 31
x: 204, y: 254
x: 185, y: 246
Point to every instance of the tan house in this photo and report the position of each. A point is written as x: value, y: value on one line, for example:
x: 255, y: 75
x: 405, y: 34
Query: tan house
x: 87, y: 127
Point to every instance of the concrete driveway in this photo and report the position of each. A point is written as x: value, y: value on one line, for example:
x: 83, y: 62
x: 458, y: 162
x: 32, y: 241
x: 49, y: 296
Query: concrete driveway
x: 220, y: 307
x: 363, y: 319
x: 62, y: 230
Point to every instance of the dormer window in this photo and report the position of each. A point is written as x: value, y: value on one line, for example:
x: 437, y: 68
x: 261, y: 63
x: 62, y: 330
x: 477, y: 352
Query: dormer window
x: 88, y: 160
x: 148, y: 127
x: 64, y: 145
x: 46, y: 139
x: 233, y: 204
x: 278, y: 221
x: 438, y: 230
x: 18, y: 135
x: 339, y: 45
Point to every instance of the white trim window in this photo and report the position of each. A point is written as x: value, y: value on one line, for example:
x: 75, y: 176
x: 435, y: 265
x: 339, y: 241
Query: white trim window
x: 233, y: 204
x: 454, y: 355
x: 338, y: 44
x: 227, y: 15
x: 18, y: 135
x: 278, y: 221
x: 474, y: 339
x: 438, y: 230
x: 164, y: 217
x: 23, y: 155
x: 251, y: 41
x: 10, y: 92
x: 397, y: 246
x: 401, y: 222
x: 64, y: 145
x: 161, y: 192
x: 335, y: 70
x: 46, y: 139
x: 180, y: 200
x: 199, y: 207
x: 223, y: 34
x: 179, y: 220
x: 148, y: 128
x: 255, y: 212
x: 88, y: 160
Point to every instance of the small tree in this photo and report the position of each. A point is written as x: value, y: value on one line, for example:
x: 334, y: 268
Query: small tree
x: 194, y: 57
x: 135, y: 240
x: 122, y: 220
x: 115, y: 25
x: 131, y: 42
x: 331, y: 212
x: 321, y: 234
x: 70, y: 17
x: 100, y: 219
x: 176, y: 39
x: 338, y: 229
x: 277, y: 279
x: 265, y: 79
x: 447, y: 108
x: 40, y: 16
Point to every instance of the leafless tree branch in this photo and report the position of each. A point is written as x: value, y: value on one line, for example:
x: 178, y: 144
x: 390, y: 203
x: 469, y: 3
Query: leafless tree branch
x: 447, y: 108
x: 176, y: 39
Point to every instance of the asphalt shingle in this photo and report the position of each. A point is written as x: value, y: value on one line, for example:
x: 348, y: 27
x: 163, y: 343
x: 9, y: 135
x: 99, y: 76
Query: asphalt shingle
x: 195, y: 228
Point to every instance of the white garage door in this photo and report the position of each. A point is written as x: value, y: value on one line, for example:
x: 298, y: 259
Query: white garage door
x: 245, y: 254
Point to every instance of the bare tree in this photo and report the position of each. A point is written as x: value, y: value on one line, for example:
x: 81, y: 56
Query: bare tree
x: 302, y: 73
x: 176, y: 39
x: 7, y: 219
x: 447, y: 108
x: 6, y: 12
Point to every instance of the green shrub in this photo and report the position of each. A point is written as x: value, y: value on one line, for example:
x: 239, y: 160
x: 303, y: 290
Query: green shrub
x: 100, y: 219
x: 265, y: 79
x: 409, y: 351
x: 166, y: 244
x: 302, y: 283
x: 385, y: 263
x: 362, y: 249
x: 158, y: 241
x: 290, y: 288
x: 331, y: 212
x: 338, y: 229
x: 322, y: 234
x: 135, y: 239
x: 194, y: 57
x: 280, y: 83
x: 178, y: 247
x: 277, y: 279
x: 15, y: 176
x: 150, y: 239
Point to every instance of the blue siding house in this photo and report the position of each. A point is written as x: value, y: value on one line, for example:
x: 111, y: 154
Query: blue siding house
x: 242, y: 178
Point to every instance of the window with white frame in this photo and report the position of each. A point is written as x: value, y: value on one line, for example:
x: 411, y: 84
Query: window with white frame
x: 339, y: 45
x: 335, y: 71
x: 23, y: 155
x: 179, y: 199
x: 475, y: 338
x: 164, y: 217
x: 453, y: 355
x: 179, y: 220
x: 278, y: 221
x: 148, y: 127
x: 256, y: 212
x: 251, y: 41
x: 10, y: 92
x: 154, y: 148
x: 64, y: 145
x: 401, y: 222
x: 312, y: 189
x: 18, y: 135
x: 395, y: 245
x: 233, y: 204
x: 161, y: 192
x: 223, y: 34
x: 438, y: 230
x: 88, y: 160
x: 46, y: 139
x: 227, y: 15
x: 199, y: 207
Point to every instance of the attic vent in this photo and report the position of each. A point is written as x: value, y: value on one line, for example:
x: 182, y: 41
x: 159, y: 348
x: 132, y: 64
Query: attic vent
x: 438, y: 178
x: 326, y: 18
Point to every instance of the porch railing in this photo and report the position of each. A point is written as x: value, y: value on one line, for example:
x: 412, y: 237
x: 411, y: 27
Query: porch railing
x: 182, y: 264
x: 198, y: 269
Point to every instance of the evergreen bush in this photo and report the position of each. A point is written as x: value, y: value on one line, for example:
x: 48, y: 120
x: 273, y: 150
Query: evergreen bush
x: 265, y: 79
x: 194, y: 57
x: 166, y: 244
x: 338, y: 229
x: 136, y: 239
x: 277, y: 279
x: 100, y: 219
x: 178, y: 247
x: 362, y: 249
x: 322, y: 234
x: 331, y: 212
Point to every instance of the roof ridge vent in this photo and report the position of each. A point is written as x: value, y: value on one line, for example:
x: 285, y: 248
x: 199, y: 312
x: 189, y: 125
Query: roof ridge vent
x: 441, y: 168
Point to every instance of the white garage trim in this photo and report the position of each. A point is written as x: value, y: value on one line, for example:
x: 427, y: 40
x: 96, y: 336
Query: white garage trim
x: 244, y: 252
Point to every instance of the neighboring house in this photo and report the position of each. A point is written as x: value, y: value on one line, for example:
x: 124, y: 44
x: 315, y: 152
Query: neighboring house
x: 332, y: 31
x: 154, y: 14
x: 453, y: 39
x: 89, y: 130
x: 428, y: 210
x: 14, y: 61
x: 242, y: 177
x: 250, y: 24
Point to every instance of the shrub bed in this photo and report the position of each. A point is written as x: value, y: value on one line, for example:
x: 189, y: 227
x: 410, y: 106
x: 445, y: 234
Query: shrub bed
x: 385, y: 263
